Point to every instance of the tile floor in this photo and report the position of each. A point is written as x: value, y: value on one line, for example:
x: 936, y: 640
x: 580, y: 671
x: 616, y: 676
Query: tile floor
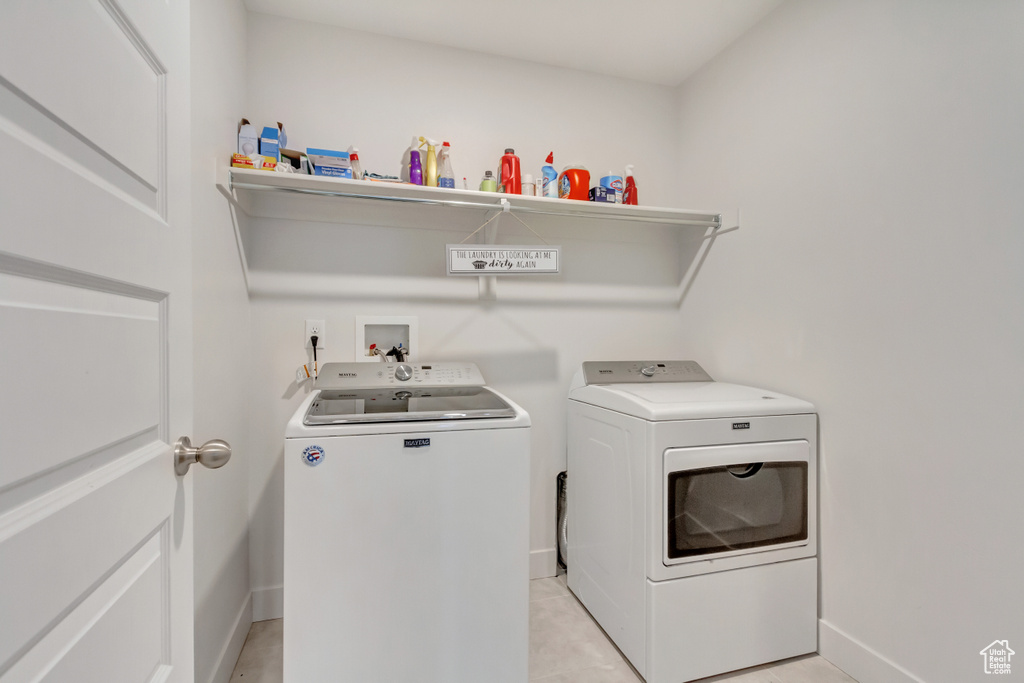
x: 566, y: 646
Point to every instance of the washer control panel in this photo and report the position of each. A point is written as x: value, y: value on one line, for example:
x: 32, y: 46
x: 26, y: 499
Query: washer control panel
x: 632, y: 372
x: 376, y: 375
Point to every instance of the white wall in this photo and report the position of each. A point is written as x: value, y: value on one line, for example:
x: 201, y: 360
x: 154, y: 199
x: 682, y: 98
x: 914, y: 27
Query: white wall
x: 877, y: 151
x: 335, y: 88
x: 221, y: 346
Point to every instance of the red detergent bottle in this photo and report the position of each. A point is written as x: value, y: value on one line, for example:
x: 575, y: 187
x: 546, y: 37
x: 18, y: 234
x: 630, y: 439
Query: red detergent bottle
x: 509, y: 180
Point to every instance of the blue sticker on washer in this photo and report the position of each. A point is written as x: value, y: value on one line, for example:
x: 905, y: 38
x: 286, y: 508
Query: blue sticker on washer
x: 313, y: 455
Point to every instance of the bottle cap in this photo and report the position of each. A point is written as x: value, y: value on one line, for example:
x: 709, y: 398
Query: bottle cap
x: 550, y: 159
x: 487, y: 174
x: 528, y: 178
x: 509, y: 150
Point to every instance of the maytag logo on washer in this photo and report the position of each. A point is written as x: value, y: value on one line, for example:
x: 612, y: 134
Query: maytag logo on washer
x: 313, y: 455
x: 416, y: 443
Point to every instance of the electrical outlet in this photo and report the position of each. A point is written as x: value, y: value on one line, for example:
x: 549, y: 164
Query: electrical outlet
x: 318, y: 329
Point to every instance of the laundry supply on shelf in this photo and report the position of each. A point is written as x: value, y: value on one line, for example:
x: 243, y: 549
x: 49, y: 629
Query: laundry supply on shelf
x: 357, y: 168
x: 574, y: 182
x: 613, y: 183
x: 489, y: 183
x: 629, y: 194
x: 529, y: 188
x: 509, y: 179
x: 272, y: 139
x: 549, y: 178
x: 412, y: 152
x: 248, y: 140
x: 445, y: 175
x: 429, y: 161
x: 329, y: 162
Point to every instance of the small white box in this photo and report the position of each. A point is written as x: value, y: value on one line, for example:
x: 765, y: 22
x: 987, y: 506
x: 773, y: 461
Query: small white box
x: 248, y: 139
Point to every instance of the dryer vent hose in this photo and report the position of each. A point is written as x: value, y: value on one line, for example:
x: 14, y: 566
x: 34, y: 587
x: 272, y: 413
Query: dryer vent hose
x: 562, y: 514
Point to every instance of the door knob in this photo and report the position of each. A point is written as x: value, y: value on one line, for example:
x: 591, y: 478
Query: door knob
x: 213, y: 454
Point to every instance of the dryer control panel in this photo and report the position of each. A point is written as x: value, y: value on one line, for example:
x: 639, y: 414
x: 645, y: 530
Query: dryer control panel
x: 643, y: 371
x: 378, y: 375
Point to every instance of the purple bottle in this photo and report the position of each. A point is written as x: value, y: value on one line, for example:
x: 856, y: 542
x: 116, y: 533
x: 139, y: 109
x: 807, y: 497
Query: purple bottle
x: 415, y: 168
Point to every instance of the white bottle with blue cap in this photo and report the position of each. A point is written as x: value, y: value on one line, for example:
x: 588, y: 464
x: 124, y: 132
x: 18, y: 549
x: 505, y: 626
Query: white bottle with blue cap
x: 613, y: 183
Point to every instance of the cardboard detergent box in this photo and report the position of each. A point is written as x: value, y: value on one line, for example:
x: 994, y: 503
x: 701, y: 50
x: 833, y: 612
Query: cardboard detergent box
x: 329, y: 162
x: 248, y: 140
x: 255, y: 162
x: 272, y: 140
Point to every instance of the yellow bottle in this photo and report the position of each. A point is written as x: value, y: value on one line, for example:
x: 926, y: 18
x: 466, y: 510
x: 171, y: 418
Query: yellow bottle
x: 430, y: 165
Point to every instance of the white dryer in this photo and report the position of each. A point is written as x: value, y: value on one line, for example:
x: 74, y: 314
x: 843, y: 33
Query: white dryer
x: 406, y: 529
x: 692, y: 508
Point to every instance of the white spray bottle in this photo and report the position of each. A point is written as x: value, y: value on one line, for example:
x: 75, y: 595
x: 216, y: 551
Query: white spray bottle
x: 357, y: 167
x: 445, y: 174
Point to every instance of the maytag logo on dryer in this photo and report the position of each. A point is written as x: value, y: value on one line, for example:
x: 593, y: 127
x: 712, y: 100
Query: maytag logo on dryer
x: 416, y: 443
x: 741, y: 425
x: 312, y: 455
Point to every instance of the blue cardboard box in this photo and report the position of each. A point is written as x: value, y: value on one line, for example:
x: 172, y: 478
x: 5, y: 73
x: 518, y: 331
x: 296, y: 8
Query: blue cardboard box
x: 272, y: 140
x: 329, y: 162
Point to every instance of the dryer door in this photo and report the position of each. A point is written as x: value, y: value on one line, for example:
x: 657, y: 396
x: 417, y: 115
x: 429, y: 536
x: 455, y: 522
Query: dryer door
x: 722, y: 501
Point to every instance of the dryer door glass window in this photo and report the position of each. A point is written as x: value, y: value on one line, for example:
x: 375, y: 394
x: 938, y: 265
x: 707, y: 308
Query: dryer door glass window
x: 736, y: 507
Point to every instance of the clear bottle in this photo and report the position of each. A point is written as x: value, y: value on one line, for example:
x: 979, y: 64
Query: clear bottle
x: 489, y: 183
x: 357, y: 168
x: 445, y: 175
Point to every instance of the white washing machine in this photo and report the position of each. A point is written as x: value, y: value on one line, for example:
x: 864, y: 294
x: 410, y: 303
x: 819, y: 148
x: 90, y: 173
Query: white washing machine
x: 406, y: 529
x: 692, y: 511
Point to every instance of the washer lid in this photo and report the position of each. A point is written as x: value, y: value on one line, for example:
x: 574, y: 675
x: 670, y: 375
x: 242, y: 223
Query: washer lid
x: 689, y: 400
x: 406, y: 404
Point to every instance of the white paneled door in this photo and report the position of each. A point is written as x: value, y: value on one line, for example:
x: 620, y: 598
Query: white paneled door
x: 95, y: 341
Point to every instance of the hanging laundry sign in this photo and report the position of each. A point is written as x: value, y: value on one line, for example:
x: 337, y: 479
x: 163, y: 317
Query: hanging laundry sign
x: 495, y: 259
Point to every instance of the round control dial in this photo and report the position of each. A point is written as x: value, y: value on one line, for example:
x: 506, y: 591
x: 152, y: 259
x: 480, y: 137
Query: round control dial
x: 649, y: 370
x: 403, y: 372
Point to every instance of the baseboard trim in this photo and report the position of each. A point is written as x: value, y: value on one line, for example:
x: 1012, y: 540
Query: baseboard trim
x: 543, y: 563
x: 233, y: 645
x: 857, y: 659
x: 268, y: 603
